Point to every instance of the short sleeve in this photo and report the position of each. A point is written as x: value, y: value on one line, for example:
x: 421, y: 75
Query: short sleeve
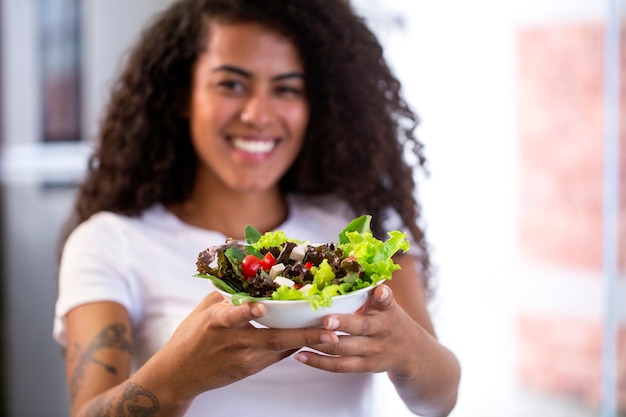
x: 94, y: 267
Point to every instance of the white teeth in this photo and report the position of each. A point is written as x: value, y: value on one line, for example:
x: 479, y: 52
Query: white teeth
x: 253, y: 146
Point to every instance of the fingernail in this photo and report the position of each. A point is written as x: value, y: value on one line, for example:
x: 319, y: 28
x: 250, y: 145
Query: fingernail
x: 384, y: 293
x: 332, y: 323
x: 301, y: 358
x: 329, y: 338
x: 257, y: 310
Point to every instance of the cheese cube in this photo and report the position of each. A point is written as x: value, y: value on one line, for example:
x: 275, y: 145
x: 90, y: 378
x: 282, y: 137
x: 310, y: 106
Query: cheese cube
x: 305, y: 290
x: 276, y: 270
x: 297, y: 253
x: 283, y: 281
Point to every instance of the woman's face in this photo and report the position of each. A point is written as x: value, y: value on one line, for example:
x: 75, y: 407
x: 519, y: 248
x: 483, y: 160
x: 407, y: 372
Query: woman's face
x: 248, y: 110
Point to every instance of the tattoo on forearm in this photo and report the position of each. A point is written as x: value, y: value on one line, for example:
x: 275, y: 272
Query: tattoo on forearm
x: 133, y: 401
x: 112, y: 337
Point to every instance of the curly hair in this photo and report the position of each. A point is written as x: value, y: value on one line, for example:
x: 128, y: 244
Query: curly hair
x: 357, y: 141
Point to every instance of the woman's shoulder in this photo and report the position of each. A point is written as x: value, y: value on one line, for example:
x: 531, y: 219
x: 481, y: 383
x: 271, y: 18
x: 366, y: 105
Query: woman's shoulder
x: 101, y: 222
x: 107, y: 225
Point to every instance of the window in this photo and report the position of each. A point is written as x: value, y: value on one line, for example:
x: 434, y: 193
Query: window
x: 59, y: 51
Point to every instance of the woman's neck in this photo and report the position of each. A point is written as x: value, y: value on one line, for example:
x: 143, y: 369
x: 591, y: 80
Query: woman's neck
x: 229, y: 212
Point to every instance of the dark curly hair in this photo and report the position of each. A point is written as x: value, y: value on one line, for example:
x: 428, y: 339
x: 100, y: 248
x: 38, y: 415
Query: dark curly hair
x: 358, y: 138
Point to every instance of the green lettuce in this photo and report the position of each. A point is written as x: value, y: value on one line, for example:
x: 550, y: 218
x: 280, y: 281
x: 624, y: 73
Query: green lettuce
x: 374, y: 255
x: 357, y: 244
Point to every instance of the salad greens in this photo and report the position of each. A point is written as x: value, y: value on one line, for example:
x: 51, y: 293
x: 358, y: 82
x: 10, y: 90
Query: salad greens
x: 274, y: 266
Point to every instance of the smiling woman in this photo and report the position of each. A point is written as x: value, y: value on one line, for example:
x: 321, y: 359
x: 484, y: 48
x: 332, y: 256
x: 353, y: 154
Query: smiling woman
x: 278, y: 114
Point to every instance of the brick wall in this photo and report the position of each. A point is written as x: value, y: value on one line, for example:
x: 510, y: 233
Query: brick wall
x: 561, y: 133
x: 563, y: 355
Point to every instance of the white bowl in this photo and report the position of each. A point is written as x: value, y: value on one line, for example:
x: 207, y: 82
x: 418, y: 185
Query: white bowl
x: 296, y: 314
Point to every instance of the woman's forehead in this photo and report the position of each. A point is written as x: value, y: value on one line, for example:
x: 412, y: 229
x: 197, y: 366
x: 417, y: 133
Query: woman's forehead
x: 250, y: 45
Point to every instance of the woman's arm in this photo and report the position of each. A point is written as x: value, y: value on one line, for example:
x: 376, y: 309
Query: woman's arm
x: 98, y: 357
x: 214, y: 346
x: 428, y: 387
x: 394, y: 334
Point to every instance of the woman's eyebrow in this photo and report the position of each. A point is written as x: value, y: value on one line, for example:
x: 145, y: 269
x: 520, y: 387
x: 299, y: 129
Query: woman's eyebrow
x: 247, y: 74
x: 233, y: 69
x: 288, y: 75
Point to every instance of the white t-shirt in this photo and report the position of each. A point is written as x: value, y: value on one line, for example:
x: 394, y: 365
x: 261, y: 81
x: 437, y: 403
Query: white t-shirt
x: 147, y: 265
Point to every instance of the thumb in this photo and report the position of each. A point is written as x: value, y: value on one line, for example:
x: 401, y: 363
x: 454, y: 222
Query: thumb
x: 232, y: 317
x: 221, y: 312
x: 381, y: 298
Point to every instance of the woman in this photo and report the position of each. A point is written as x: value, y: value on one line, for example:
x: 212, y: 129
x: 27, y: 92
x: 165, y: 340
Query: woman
x: 281, y: 114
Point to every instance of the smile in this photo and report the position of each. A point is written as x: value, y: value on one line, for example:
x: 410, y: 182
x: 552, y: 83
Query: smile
x: 253, y: 146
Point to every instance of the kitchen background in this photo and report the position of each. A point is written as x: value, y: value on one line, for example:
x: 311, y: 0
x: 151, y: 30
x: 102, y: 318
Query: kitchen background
x: 521, y: 102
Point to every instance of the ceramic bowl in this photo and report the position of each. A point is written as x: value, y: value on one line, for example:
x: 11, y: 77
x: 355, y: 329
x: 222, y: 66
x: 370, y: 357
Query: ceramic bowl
x: 296, y: 314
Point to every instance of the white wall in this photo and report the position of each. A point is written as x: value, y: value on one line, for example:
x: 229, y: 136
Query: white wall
x: 19, y: 75
x: 110, y: 29
x: 456, y: 62
x: 458, y: 65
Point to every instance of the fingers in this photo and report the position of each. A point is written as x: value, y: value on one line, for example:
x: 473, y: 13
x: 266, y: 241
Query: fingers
x: 336, y: 364
x: 227, y: 316
x: 272, y: 339
x: 366, y: 323
x: 288, y: 339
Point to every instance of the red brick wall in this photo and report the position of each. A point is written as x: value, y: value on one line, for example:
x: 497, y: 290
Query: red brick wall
x: 561, y: 133
x: 563, y: 355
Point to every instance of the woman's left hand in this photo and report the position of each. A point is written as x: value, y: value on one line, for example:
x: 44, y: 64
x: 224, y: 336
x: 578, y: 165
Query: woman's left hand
x: 393, y: 333
x: 381, y: 338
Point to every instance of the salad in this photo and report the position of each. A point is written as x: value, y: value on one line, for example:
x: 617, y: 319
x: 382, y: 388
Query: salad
x: 274, y: 266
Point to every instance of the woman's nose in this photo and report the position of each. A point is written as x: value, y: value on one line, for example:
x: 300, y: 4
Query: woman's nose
x: 258, y: 110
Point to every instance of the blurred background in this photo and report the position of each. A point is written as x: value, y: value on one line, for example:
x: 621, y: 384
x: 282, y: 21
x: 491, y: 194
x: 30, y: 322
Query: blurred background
x: 522, y: 104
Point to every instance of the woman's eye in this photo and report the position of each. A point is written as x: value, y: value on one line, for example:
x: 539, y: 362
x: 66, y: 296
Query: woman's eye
x: 288, y: 90
x: 232, y: 86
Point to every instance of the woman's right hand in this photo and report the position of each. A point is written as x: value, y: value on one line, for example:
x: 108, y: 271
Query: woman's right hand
x: 216, y: 346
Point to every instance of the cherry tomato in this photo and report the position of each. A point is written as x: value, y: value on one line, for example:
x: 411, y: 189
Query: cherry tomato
x: 250, y: 265
x: 268, y: 261
x: 308, y: 265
